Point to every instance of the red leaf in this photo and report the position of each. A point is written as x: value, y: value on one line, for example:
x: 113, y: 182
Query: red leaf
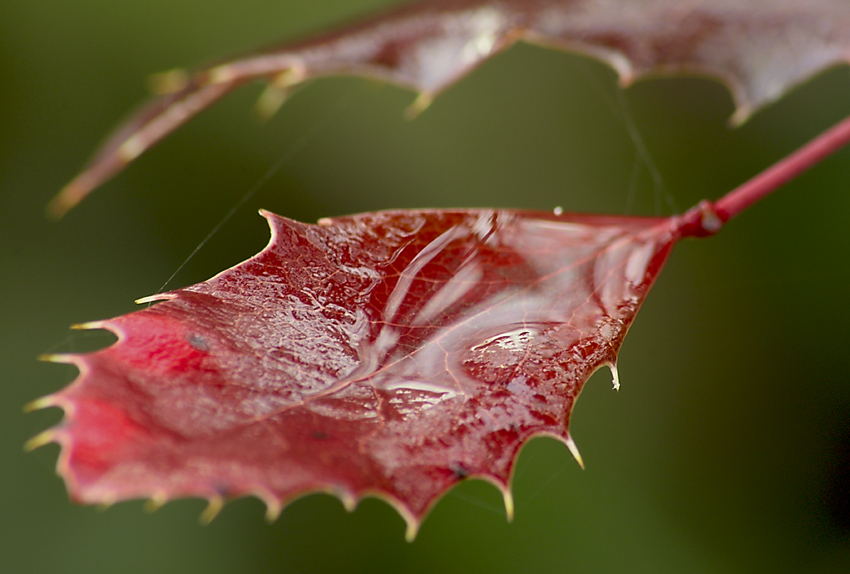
x: 760, y: 48
x: 388, y: 354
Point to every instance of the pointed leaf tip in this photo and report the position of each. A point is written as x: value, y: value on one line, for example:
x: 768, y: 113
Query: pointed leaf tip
x: 615, y: 376
x: 573, y: 448
x: 168, y: 82
x: 41, y: 403
x: 349, y: 501
x: 65, y: 200
x: 214, y: 506
x: 273, y: 510
x: 155, y: 502
x: 411, y: 530
x: 88, y: 326
x: 269, y: 102
x: 63, y: 358
x: 422, y: 102
x: 508, y: 498
x: 103, y: 506
x: 40, y: 440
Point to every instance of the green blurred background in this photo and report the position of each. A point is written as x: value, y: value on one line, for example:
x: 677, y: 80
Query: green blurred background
x: 728, y: 447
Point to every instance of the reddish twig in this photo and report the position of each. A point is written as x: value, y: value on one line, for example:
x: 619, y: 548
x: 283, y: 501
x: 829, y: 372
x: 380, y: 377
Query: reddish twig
x: 708, y: 217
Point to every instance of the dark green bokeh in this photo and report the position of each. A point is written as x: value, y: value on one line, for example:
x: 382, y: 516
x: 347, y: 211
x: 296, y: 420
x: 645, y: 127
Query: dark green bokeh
x: 725, y: 448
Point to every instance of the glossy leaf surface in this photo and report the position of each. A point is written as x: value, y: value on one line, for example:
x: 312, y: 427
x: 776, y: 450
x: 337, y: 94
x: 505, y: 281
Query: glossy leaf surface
x: 759, y: 48
x: 387, y: 354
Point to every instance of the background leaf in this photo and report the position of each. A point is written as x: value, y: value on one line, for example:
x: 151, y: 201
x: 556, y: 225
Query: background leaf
x: 759, y: 51
x: 716, y: 454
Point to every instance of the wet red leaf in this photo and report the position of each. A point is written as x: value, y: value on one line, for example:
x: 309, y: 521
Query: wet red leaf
x: 389, y: 354
x: 759, y: 48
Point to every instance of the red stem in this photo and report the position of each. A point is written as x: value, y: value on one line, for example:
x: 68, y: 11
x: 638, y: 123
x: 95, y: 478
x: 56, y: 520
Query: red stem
x: 707, y: 218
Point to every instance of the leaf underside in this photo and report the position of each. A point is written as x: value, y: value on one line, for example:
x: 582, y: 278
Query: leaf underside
x: 759, y: 48
x: 389, y: 354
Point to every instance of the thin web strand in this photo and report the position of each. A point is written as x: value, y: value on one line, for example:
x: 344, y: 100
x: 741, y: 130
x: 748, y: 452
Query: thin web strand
x: 619, y: 107
x: 536, y: 489
x: 634, y: 180
x: 659, y: 189
x: 275, y: 168
x: 541, y: 488
x: 490, y: 508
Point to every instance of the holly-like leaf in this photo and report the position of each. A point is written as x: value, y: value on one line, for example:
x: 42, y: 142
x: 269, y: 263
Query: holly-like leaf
x: 388, y: 354
x: 759, y: 48
x: 394, y: 354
